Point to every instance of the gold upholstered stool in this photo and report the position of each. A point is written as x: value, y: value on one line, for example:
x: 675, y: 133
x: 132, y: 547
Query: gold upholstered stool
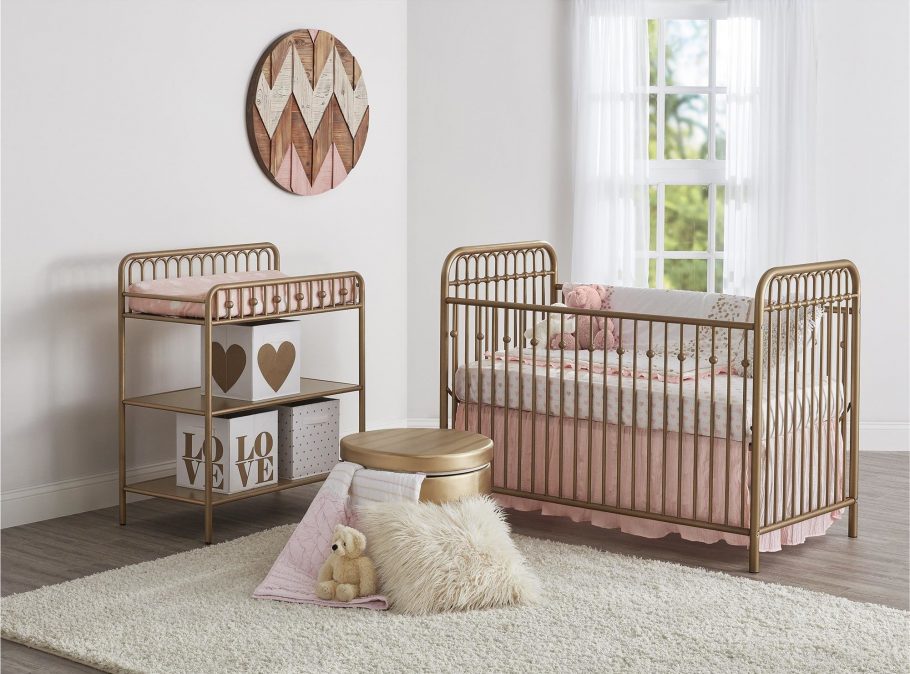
x: 456, y: 463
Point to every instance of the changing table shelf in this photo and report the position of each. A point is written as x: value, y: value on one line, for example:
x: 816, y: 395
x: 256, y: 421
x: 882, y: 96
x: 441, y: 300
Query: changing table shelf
x: 192, y: 401
x: 166, y: 488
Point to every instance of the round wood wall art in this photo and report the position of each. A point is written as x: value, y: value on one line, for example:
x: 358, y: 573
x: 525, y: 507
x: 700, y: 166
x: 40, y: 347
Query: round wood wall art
x: 307, y: 113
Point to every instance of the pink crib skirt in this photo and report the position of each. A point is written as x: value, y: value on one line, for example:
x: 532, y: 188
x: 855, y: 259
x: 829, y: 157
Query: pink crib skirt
x: 695, y: 480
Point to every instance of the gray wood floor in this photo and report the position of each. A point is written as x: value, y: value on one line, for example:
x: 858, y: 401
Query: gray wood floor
x: 872, y: 568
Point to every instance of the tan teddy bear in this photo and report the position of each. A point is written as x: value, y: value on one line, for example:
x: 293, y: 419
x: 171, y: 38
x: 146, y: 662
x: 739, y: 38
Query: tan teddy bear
x: 346, y: 574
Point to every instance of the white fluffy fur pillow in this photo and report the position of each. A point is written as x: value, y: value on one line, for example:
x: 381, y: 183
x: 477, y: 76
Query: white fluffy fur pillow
x: 450, y: 557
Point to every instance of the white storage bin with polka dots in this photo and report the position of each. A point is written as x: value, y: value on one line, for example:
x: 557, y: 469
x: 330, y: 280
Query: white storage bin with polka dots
x: 307, y: 438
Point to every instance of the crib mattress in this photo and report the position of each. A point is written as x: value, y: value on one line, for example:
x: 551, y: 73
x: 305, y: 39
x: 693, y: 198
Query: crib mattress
x: 189, y: 293
x: 683, y: 405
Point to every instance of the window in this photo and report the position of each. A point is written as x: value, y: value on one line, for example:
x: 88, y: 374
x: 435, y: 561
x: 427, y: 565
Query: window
x: 687, y: 150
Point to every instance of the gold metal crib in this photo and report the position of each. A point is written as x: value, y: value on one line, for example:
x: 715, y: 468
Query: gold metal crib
x: 795, y: 456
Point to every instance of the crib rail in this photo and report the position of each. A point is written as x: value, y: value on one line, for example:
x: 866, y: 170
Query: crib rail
x: 665, y: 426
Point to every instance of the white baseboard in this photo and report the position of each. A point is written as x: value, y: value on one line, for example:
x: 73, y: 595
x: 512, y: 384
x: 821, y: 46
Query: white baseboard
x: 81, y: 494
x: 68, y: 497
x: 884, y: 436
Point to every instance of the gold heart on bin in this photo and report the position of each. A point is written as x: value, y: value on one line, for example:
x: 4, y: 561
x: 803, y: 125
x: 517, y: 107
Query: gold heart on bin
x: 276, y: 365
x: 227, y: 366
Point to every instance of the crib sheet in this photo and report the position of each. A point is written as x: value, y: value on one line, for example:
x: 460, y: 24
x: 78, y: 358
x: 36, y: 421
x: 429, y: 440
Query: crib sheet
x: 301, y: 296
x: 496, y: 378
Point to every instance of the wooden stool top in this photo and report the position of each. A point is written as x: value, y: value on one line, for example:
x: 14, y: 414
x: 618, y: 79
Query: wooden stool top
x: 418, y: 450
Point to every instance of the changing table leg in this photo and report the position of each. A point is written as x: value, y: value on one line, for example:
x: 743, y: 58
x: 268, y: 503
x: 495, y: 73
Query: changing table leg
x: 207, y: 442
x: 208, y: 524
x: 121, y: 473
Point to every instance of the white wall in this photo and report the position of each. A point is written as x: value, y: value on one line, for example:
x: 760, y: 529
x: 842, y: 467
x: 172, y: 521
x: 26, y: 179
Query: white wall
x: 863, y: 179
x: 123, y: 130
x: 488, y: 147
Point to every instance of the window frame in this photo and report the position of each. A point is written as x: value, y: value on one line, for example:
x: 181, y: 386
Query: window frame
x: 708, y: 172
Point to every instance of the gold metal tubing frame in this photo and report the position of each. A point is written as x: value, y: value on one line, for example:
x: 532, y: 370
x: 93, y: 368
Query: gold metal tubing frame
x: 449, y: 278
x: 210, y: 260
x: 121, y: 366
x: 786, y: 453
x: 207, y: 440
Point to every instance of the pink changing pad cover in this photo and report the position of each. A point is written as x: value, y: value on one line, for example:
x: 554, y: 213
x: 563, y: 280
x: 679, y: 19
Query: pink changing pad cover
x: 268, y: 299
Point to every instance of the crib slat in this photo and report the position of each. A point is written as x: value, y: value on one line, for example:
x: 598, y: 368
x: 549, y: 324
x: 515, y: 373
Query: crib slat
x: 650, y: 355
x: 756, y: 434
x: 803, y: 421
x: 619, y: 396
x: 589, y: 494
x: 505, y: 416
x: 562, y: 397
x: 666, y: 421
x: 712, y: 360
x: 603, y: 434
x: 576, y: 404
x: 695, y: 433
x: 634, y: 405
x: 519, y: 345
x: 548, y: 370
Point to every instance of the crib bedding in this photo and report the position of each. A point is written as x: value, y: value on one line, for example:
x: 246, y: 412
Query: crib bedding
x: 536, y: 453
x: 791, y: 406
x: 189, y: 293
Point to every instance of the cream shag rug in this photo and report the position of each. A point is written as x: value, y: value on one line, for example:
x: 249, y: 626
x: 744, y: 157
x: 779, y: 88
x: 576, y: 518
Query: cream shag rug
x: 600, y: 612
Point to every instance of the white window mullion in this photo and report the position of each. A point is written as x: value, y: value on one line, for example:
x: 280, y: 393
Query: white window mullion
x: 712, y: 198
x: 686, y: 255
x: 659, y: 270
x: 712, y: 96
x: 661, y: 83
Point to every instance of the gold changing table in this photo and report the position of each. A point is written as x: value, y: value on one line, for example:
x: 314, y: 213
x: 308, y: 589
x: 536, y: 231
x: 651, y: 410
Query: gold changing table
x: 456, y: 463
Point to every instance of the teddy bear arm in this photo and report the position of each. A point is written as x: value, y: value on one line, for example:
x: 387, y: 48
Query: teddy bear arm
x: 325, y: 572
x: 367, y: 576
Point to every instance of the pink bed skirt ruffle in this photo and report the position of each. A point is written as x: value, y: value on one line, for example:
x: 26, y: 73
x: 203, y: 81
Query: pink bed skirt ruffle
x: 712, y: 462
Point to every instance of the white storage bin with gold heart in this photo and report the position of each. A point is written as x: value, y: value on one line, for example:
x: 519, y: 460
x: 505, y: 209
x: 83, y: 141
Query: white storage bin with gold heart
x: 244, y: 456
x: 255, y: 361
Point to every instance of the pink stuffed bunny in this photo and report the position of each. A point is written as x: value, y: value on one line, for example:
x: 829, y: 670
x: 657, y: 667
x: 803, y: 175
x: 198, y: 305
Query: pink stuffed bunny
x: 587, y: 297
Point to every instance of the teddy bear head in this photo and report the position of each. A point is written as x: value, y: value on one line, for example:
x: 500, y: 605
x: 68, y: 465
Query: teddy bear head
x: 584, y: 297
x: 348, y: 542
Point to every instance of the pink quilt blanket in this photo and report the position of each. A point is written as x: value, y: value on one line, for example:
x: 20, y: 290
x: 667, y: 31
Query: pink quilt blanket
x: 293, y: 575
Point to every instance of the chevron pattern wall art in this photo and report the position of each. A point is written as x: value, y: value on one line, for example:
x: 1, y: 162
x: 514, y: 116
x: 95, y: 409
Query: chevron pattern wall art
x: 307, y: 113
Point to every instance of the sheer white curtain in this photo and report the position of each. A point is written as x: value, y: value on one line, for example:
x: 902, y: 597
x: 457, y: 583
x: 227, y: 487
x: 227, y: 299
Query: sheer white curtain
x: 610, y: 94
x: 770, y: 196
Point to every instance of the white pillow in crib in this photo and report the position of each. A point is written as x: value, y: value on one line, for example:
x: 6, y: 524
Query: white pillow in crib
x: 639, y: 335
